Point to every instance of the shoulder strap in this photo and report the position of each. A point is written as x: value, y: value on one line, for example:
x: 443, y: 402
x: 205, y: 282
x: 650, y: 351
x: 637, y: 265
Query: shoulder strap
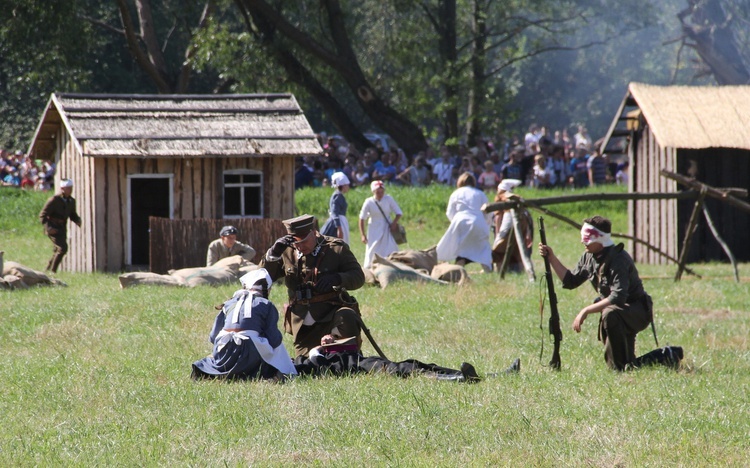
x: 387, y: 220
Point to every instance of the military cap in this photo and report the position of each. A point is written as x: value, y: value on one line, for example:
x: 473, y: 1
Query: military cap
x: 228, y: 231
x: 300, y: 226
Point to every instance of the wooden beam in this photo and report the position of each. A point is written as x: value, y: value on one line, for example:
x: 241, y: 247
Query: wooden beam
x: 588, y: 197
x: 723, y: 195
x: 723, y: 244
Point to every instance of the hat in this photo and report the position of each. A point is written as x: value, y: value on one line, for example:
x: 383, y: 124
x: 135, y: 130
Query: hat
x: 228, y: 231
x: 251, y: 279
x: 66, y: 183
x: 300, y: 226
x: 508, y: 184
x: 339, y: 179
x: 376, y: 184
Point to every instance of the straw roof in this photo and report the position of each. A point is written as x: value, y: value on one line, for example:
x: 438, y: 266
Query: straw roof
x: 696, y: 117
x: 176, y: 126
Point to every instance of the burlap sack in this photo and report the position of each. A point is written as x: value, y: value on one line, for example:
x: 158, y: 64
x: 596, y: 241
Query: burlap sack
x: 235, y: 262
x: 29, y: 276
x: 451, y: 273
x: 143, y: 277
x: 369, y: 276
x: 417, y: 259
x: 387, y: 271
x: 14, y: 282
x: 207, y: 276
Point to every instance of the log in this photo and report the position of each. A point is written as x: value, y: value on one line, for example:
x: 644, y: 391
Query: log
x: 723, y: 195
x: 692, y: 225
x: 587, y: 197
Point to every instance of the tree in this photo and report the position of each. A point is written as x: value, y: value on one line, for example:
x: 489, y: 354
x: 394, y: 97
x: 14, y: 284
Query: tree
x: 717, y: 31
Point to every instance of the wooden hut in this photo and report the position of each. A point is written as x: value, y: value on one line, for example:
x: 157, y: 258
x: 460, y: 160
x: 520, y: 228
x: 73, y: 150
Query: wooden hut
x: 701, y: 132
x: 171, y: 156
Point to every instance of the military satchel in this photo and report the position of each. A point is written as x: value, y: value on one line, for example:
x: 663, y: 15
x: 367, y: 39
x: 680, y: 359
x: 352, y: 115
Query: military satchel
x: 400, y: 235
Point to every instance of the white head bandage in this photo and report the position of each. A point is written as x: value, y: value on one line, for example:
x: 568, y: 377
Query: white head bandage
x: 250, y: 280
x: 590, y: 235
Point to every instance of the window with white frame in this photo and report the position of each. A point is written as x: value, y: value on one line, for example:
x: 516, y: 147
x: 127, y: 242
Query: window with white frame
x: 243, y: 193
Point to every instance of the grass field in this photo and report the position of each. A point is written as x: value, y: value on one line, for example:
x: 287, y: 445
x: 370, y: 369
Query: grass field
x: 96, y: 375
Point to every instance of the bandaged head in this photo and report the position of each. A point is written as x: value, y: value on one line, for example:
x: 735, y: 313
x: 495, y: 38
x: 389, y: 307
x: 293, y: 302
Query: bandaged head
x: 376, y: 184
x: 591, y: 235
x: 258, y: 281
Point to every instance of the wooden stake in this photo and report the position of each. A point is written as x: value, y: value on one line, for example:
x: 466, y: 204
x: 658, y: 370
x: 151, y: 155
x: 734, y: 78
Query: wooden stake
x: 692, y: 225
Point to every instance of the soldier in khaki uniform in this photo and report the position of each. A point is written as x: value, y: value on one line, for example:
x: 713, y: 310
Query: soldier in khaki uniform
x: 315, y: 268
x: 54, y: 216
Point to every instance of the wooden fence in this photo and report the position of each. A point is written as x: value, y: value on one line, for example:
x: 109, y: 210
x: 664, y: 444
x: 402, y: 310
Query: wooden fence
x: 183, y: 243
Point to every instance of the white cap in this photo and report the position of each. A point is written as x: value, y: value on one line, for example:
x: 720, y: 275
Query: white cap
x: 66, y: 183
x: 251, y: 279
x: 508, y: 184
x: 339, y: 179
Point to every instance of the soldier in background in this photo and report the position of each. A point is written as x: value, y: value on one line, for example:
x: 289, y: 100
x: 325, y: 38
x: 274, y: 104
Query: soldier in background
x: 54, y: 216
x: 227, y: 246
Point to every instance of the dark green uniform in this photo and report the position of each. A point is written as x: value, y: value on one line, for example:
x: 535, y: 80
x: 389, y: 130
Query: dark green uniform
x: 615, y: 277
x: 54, y: 216
x: 311, y: 314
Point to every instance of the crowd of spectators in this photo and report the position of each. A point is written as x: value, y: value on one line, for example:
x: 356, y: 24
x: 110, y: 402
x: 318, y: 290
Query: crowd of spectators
x: 19, y: 170
x: 540, y: 159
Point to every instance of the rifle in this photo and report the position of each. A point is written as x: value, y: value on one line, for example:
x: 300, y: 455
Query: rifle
x: 554, y: 317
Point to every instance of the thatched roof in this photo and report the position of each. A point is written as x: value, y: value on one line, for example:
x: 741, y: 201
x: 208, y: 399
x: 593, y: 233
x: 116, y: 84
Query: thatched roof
x: 692, y: 117
x: 176, y: 126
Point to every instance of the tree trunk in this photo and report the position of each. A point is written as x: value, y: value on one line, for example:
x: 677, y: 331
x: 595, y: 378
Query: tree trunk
x: 715, y: 42
x: 298, y: 73
x: 345, y: 63
x: 446, y: 30
x: 478, y: 64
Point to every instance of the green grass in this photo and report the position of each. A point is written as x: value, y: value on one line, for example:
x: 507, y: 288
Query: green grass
x: 96, y: 375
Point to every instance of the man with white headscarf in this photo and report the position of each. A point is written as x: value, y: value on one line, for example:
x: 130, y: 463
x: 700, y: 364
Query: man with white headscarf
x: 247, y: 342
x: 337, y: 225
x: 624, y: 305
x: 54, y: 216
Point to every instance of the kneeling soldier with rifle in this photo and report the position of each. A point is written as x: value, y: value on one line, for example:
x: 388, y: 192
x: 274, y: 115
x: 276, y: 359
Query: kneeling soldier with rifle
x: 317, y: 271
x: 624, y: 305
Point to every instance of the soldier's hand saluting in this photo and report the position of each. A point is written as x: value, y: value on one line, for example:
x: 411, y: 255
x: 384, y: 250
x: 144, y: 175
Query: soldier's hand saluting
x: 281, y: 244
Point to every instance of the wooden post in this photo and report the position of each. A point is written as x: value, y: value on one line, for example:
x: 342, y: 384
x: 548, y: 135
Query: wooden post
x: 509, y: 246
x: 527, y: 264
x: 723, y: 244
x: 692, y: 225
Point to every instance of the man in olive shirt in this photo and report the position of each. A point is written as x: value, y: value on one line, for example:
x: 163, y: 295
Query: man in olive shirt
x: 624, y: 305
x: 227, y: 246
x: 54, y: 216
x: 315, y: 268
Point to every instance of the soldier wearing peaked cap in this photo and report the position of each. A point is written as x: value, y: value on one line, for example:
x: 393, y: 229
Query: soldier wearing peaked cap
x: 227, y: 245
x: 315, y: 268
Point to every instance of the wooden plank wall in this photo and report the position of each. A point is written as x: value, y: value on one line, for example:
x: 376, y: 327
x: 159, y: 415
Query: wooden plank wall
x: 71, y: 164
x: 183, y: 243
x: 654, y: 221
x: 101, y: 194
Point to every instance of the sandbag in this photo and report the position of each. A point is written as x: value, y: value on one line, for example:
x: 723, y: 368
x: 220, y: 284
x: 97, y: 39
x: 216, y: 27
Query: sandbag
x: 210, y: 276
x: 417, y: 259
x: 451, y: 273
x: 143, y: 277
x: 29, y: 276
x: 14, y: 282
x: 387, y: 271
x: 235, y: 262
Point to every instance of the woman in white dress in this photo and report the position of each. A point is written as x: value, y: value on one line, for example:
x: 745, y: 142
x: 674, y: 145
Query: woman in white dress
x: 468, y: 236
x: 378, y: 210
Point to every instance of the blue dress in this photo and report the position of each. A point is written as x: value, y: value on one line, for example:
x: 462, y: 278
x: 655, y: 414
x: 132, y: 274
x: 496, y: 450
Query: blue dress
x: 244, y: 335
x: 337, y: 207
